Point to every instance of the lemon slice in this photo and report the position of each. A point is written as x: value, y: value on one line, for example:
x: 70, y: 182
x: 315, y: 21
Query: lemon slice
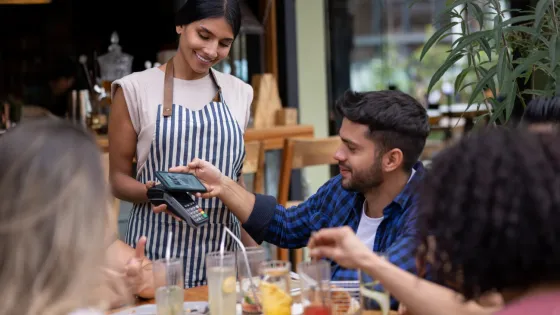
x: 228, y: 286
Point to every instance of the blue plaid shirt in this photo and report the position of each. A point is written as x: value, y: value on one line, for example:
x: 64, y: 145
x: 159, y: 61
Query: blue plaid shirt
x: 333, y: 206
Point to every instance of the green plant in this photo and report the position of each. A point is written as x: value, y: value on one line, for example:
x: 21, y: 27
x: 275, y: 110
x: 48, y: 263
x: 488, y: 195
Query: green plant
x: 500, y: 52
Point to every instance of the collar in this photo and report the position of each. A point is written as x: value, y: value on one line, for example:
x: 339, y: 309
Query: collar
x: 403, y: 199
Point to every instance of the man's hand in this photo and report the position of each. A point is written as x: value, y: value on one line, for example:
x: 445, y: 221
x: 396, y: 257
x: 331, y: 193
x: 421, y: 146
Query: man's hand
x: 341, y: 245
x: 208, y: 174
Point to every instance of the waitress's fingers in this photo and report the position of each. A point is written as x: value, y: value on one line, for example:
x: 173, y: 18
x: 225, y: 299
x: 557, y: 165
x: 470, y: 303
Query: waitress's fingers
x: 174, y: 216
x: 160, y: 208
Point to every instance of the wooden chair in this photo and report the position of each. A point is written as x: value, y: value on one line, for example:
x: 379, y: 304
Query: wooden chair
x: 254, y: 164
x: 300, y: 153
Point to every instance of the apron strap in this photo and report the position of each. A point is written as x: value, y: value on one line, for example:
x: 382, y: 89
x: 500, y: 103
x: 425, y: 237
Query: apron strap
x: 218, y: 96
x: 168, y: 89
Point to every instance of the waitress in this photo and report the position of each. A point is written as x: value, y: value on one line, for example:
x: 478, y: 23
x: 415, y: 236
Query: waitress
x: 170, y: 115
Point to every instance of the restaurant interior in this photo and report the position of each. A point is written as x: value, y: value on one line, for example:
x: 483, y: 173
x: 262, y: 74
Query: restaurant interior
x: 362, y: 45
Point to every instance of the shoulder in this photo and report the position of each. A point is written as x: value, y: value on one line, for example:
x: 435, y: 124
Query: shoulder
x: 333, y: 192
x: 136, y: 80
x: 234, y: 87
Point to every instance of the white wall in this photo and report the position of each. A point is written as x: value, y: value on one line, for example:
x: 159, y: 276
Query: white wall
x: 312, y: 77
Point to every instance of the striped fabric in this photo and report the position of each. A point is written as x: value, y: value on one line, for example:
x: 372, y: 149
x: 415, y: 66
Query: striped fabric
x: 211, y: 134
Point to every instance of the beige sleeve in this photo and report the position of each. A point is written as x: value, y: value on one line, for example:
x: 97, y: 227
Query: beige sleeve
x: 131, y: 97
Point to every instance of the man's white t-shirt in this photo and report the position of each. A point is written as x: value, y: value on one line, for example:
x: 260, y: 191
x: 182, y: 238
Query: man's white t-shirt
x: 367, y: 228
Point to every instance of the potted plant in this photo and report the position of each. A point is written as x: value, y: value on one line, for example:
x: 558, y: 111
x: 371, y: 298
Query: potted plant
x: 504, y: 57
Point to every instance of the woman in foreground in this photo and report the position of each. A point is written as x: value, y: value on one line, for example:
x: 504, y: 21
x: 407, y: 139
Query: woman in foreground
x: 55, y: 223
x: 490, y: 220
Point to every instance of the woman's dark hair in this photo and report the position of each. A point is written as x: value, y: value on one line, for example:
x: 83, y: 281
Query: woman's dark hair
x: 395, y: 120
x: 542, y: 110
x: 490, y: 212
x: 195, y: 10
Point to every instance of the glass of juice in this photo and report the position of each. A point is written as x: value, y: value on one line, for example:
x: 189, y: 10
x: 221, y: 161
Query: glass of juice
x: 373, y: 296
x: 222, y: 291
x: 169, y: 286
x: 249, y: 281
x: 315, y: 287
x: 276, y: 298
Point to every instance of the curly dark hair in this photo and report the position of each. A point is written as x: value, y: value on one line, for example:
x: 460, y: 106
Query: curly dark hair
x: 395, y: 120
x: 490, y: 212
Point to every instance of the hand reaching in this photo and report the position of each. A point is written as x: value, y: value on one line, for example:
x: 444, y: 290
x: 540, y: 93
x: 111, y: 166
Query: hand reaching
x: 339, y: 244
x: 207, y: 173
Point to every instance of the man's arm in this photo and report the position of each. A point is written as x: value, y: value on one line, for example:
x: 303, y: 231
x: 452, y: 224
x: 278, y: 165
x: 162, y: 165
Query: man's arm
x: 260, y: 215
x: 246, y: 239
x: 265, y: 220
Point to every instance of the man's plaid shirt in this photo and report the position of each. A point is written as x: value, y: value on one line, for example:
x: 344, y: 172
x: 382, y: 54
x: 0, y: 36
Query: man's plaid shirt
x: 333, y: 206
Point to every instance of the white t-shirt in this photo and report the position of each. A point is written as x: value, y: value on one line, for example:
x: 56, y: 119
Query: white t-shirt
x: 143, y: 92
x: 367, y: 228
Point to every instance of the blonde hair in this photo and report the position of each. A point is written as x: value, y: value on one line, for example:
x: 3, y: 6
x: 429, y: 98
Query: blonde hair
x: 53, y: 218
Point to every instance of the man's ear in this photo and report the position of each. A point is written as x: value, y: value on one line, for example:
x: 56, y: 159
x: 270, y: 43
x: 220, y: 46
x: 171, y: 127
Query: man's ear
x: 392, y: 160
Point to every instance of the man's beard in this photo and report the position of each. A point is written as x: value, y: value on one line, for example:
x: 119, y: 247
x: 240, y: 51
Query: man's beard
x: 363, y: 181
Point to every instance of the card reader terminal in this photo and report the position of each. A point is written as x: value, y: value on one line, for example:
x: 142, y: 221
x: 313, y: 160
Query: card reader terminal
x: 180, y: 204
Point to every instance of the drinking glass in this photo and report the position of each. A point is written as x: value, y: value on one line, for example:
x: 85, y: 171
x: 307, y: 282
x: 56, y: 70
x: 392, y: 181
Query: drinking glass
x: 169, y: 286
x: 220, y: 273
x: 373, y: 295
x: 249, y: 281
x: 315, y: 287
x: 275, y: 288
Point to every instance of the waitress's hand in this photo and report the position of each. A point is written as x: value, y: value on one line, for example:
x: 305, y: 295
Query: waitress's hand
x: 162, y: 207
x: 159, y: 208
x: 207, y: 173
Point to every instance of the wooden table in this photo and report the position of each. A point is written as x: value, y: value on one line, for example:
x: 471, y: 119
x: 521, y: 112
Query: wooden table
x: 201, y: 294
x: 191, y: 295
x: 273, y: 138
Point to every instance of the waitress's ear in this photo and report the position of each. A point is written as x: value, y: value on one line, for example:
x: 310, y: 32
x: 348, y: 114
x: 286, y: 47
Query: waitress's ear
x: 179, y: 29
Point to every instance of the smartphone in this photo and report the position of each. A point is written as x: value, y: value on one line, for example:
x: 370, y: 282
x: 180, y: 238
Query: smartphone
x: 180, y: 182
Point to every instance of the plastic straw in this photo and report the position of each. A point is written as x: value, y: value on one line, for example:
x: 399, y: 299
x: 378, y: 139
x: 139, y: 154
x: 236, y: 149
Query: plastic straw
x: 169, y: 277
x: 168, y: 250
x: 222, y: 245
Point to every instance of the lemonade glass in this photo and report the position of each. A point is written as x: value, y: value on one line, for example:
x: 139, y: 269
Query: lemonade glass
x: 275, y: 290
x: 220, y: 273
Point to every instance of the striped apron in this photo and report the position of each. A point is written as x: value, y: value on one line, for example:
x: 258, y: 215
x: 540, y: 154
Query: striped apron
x: 211, y: 134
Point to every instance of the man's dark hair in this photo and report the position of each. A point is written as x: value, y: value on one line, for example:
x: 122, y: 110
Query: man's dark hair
x: 492, y: 204
x: 195, y: 10
x: 395, y: 120
x: 542, y: 110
